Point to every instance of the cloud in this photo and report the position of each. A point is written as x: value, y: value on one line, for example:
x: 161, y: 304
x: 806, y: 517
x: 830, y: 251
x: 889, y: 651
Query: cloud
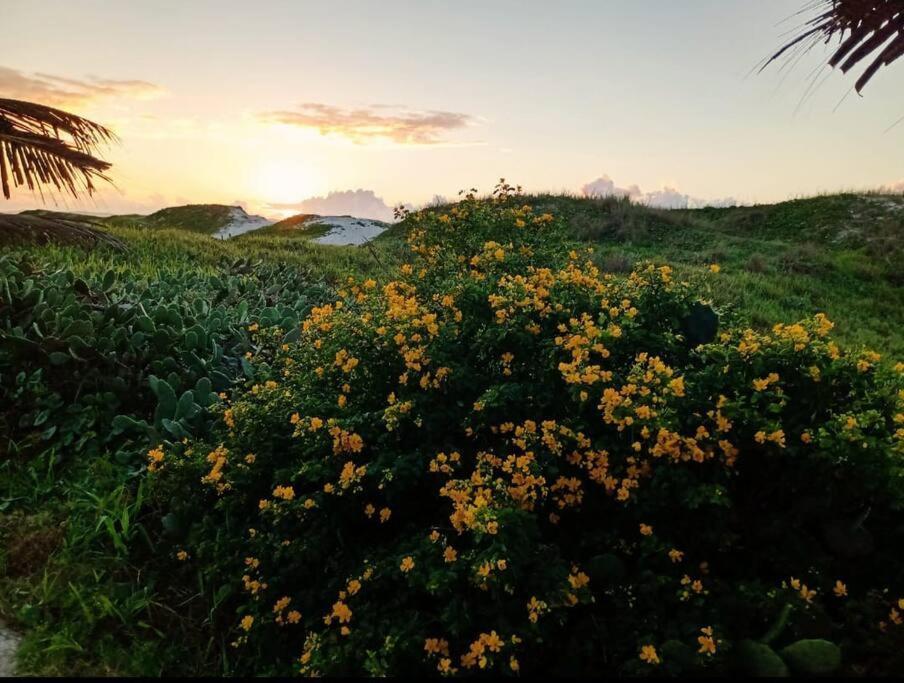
x: 398, y: 124
x: 604, y: 186
x: 666, y: 198
x: 59, y: 91
x: 358, y: 203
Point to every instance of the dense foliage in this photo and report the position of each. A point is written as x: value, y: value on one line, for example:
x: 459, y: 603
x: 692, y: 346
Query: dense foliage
x: 506, y: 460
x: 101, y: 351
x: 75, y: 354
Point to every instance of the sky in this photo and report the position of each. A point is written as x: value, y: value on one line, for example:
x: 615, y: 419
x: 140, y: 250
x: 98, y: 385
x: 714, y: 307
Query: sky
x: 354, y: 107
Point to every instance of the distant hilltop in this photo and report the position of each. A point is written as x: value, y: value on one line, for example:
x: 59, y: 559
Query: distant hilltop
x: 224, y: 222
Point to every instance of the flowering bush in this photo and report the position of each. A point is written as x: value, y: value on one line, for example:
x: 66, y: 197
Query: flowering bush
x: 508, y: 461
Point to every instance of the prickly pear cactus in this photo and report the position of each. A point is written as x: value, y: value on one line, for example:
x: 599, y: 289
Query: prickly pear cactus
x: 812, y: 657
x: 759, y: 660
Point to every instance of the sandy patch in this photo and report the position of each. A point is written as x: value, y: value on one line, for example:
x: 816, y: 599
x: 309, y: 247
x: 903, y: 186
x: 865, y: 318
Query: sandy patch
x: 240, y: 223
x: 347, y: 230
x: 9, y: 643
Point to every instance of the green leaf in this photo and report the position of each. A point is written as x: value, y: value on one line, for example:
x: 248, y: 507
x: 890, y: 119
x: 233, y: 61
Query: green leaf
x: 187, y: 408
x: 58, y: 358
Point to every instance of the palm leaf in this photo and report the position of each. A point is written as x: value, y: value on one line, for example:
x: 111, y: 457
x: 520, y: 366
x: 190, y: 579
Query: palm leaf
x: 28, y: 228
x: 865, y: 29
x: 42, y: 146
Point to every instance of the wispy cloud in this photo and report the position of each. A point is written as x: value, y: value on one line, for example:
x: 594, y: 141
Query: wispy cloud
x: 364, y: 124
x: 60, y: 91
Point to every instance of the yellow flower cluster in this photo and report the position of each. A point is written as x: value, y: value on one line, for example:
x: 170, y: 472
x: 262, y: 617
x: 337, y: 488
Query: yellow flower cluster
x: 155, y: 458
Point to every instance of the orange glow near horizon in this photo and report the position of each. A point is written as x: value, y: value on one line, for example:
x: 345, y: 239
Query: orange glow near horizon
x: 284, y: 181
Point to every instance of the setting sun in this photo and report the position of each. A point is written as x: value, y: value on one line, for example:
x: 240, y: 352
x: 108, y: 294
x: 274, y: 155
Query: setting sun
x: 283, y: 181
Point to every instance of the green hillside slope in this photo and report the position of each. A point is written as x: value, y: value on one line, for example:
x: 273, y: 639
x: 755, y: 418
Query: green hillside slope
x: 840, y: 254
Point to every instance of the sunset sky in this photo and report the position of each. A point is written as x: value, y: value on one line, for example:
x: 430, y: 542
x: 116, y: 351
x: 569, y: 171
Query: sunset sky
x: 271, y: 103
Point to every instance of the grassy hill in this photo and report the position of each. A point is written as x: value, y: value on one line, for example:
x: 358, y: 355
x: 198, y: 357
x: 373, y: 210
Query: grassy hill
x: 840, y: 254
x: 199, y: 218
x: 203, y: 218
x: 300, y: 225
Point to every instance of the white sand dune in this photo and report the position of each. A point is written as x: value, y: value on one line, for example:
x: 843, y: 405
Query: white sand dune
x: 240, y: 223
x: 347, y: 230
x: 341, y: 230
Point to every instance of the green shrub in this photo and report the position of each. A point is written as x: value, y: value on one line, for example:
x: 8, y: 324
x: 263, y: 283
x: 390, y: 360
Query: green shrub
x: 507, y: 461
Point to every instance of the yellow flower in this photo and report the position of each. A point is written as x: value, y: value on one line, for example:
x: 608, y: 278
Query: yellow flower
x: 407, y: 564
x: 646, y: 530
x: 676, y: 555
x: 840, y: 590
x: 649, y: 655
x: 342, y: 612
x: 445, y: 666
x: 714, y: 268
x: 450, y: 554
x: 535, y: 608
x: 578, y: 580
x: 182, y: 555
x: 284, y: 492
x: 247, y: 622
x: 385, y: 514
x: 436, y: 646
x: 707, y: 644
x: 155, y: 457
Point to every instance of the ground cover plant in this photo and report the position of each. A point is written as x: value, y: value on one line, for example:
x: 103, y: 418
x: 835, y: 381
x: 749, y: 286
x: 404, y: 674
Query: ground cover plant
x: 506, y: 460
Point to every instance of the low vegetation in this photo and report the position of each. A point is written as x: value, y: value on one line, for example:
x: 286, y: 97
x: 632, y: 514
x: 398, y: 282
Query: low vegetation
x: 507, y: 437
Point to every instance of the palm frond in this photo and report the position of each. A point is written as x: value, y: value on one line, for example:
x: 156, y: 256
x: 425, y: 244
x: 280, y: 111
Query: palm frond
x: 26, y: 228
x: 42, y: 146
x: 865, y: 29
